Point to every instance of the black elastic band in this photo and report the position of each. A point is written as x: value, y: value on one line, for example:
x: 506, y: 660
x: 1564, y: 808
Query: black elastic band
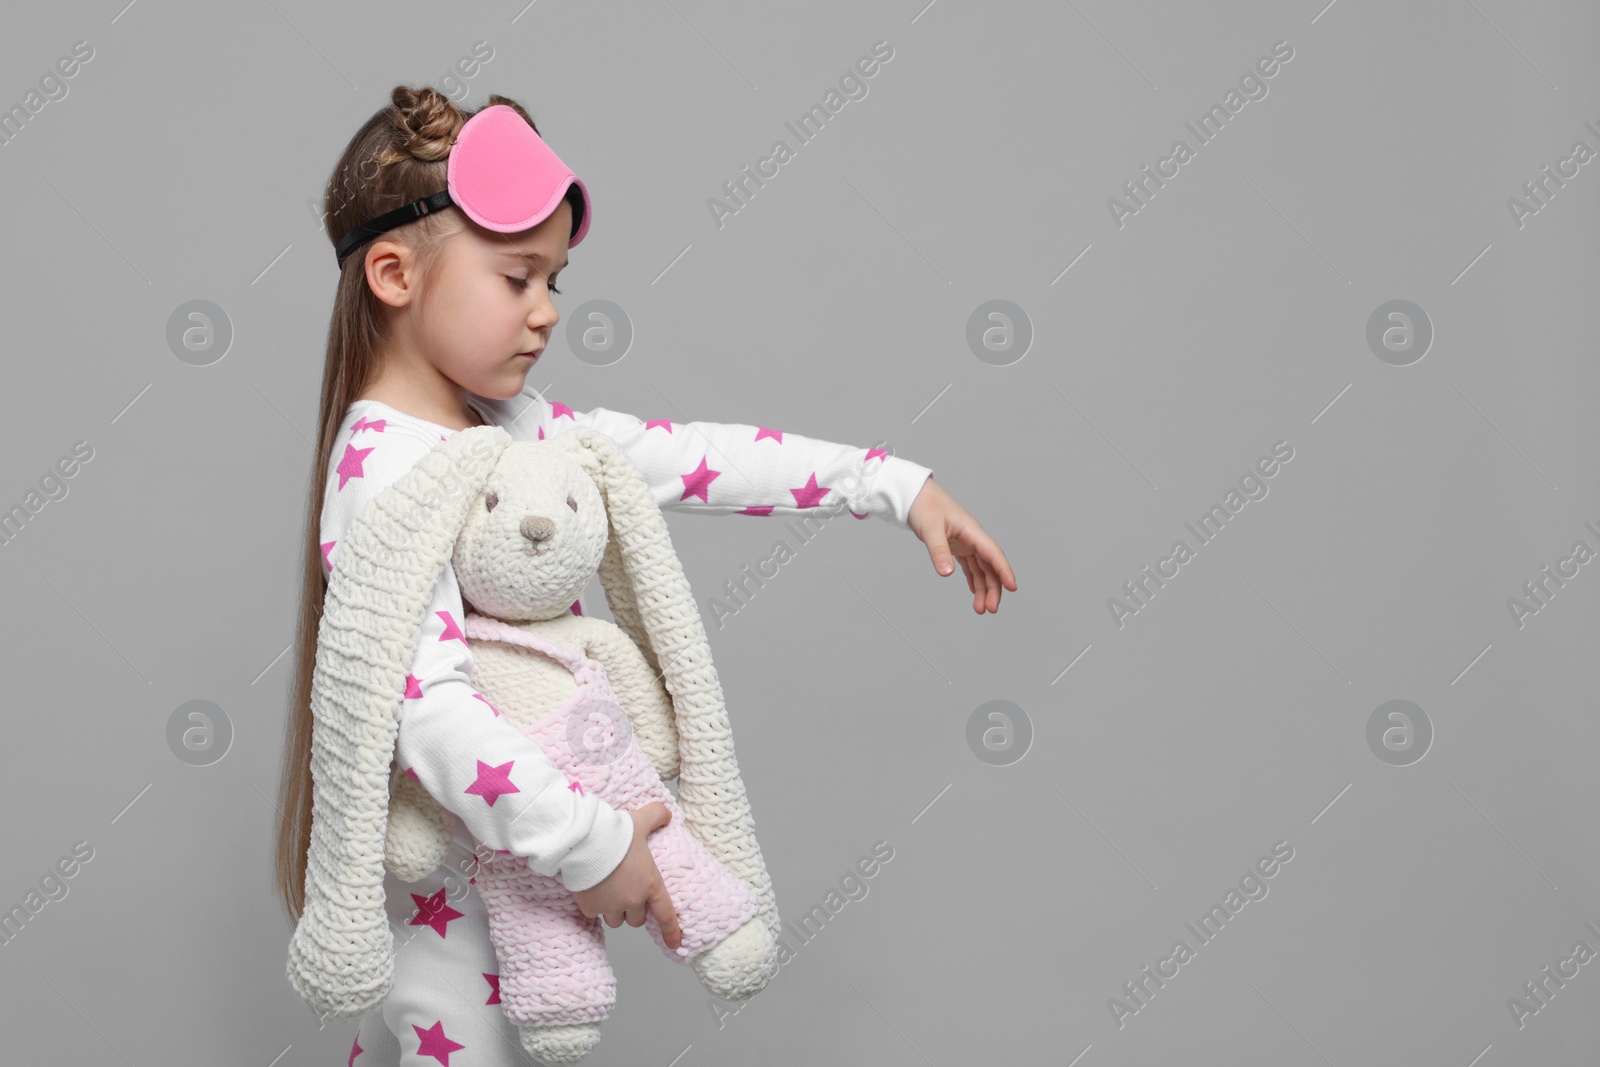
x: 388, y: 221
x: 425, y: 206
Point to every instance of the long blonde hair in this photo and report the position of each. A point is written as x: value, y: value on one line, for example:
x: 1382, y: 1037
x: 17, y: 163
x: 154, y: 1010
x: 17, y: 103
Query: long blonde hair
x: 397, y: 156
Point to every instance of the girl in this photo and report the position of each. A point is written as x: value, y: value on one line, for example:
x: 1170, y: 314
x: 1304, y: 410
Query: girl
x: 441, y: 310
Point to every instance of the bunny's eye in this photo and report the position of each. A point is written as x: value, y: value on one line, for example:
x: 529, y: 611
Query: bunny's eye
x: 571, y: 503
x: 491, y: 500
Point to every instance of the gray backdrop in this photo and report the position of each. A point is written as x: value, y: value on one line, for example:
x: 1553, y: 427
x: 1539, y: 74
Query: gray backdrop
x: 1356, y: 314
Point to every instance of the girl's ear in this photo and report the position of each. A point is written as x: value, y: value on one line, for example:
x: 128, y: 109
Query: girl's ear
x: 650, y: 599
x: 341, y: 956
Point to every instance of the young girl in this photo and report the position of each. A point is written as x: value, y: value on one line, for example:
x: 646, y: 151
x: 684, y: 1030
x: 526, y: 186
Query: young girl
x: 440, y: 313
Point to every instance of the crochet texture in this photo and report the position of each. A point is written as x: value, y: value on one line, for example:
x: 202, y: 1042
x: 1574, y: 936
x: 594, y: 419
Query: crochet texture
x: 341, y: 955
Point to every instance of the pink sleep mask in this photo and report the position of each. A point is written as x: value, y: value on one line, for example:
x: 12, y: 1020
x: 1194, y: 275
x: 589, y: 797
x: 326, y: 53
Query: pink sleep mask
x: 502, y: 176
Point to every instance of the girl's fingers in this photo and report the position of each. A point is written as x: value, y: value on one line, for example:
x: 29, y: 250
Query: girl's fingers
x: 667, y: 919
x: 980, y: 583
x: 987, y: 570
x: 994, y: 586
x: 972, y: 579
x: 995, y: 560
x: 991, y: 585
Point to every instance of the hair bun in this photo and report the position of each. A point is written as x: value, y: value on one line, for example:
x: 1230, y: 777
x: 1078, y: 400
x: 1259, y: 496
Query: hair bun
x: 427, y: 121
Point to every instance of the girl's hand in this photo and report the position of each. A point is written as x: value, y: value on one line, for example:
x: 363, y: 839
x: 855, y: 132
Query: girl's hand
x: 635, y: 891
x: 949, y: 530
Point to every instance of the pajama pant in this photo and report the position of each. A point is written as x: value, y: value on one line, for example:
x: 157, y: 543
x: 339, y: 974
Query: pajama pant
x: 444, y: 1006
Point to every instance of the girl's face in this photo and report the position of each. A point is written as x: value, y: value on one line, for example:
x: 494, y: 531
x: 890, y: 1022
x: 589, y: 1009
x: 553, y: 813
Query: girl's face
x: 489, y: 308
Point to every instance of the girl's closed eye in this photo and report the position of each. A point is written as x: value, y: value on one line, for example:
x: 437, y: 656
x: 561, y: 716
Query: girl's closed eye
x: 522, y: 283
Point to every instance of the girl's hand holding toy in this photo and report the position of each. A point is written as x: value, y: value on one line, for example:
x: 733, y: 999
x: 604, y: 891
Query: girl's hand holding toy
x: 635, y: 890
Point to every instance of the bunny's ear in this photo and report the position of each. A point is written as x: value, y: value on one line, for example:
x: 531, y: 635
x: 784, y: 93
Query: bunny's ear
x: 341, y: 957
x: 650, y: 600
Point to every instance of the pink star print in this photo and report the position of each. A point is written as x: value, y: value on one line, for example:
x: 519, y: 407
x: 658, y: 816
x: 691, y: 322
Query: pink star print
x: 575, y: 787
x: 433, y: 911
x: 327, y: 561
x: 485, y: 699
x: 494, y: 987
x: 413, y: 687
x: 776, y: 435
x: 364, y: 423
x: 765, y: 510
x: 493, y: 782
x: 452, y: 632
x: 558, y: 409
x: 350, y: 466
x: 667, y: 423
x: 435, y: 1044
x: 355, y: 1050
x: 697, y: 481
x: 874, y: 452
x: 809, y: 495
x: 412, y: 773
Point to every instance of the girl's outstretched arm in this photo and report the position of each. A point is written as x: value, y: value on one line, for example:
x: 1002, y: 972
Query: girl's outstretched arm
x: 735, y: 468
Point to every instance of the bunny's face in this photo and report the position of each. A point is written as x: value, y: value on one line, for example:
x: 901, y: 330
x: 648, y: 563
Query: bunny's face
x: 534, y: 537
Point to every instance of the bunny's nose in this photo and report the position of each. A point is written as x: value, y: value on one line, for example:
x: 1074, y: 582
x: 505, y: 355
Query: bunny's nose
x: 537, y: 528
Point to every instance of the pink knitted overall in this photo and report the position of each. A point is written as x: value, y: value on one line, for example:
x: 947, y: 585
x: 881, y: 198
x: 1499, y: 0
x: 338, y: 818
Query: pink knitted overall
x: 553, y: 964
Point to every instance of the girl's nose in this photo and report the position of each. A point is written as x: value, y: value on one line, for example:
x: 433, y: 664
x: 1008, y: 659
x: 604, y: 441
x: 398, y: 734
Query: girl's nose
x: 537, y: 528
x: 544, y: 312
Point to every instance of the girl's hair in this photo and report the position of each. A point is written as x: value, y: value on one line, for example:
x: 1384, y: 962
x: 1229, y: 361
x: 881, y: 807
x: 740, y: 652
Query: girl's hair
x: 397, y: 156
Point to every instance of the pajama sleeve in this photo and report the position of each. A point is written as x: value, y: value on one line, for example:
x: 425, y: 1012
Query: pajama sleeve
x: 724, y: 468
x: 500, y: 783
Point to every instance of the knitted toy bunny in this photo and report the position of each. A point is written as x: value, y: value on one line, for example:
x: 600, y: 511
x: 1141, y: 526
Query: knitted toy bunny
x: 525, y: 525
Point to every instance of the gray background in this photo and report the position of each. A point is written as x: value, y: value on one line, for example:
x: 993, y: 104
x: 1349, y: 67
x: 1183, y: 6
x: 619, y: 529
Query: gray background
x: 1229, y: 313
